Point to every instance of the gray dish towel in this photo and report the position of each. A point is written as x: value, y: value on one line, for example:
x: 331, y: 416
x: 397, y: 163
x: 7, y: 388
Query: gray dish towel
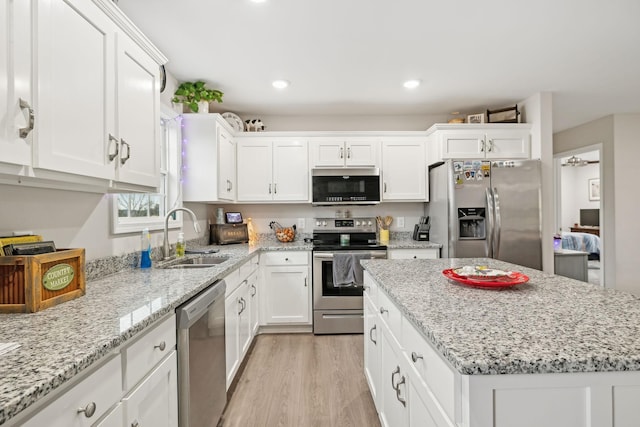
x: 347, y: 270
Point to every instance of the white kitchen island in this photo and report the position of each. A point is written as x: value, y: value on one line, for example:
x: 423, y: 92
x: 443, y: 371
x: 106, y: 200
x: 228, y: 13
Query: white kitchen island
x: 550, y: 352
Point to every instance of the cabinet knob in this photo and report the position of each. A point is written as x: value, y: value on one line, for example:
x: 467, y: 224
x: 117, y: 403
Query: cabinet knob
x: 383, y: 310
x: 161, y: 346
x: 415, y: 257
x: 135, y: 423
x: 286, y: 259
x: 88, y: 410
x: 415, y: 356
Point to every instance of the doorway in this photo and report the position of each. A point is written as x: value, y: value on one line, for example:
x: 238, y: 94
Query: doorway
x: 579, y: 214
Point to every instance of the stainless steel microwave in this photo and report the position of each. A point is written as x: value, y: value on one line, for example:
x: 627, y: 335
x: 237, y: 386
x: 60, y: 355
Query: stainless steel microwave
x: 359, y: 186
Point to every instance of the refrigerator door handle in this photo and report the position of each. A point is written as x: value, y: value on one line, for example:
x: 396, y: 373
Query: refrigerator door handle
x: 498, y: 226
x: 490, y: 221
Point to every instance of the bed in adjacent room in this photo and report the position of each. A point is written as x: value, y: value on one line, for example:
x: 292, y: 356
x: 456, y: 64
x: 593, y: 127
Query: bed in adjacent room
x: 584, y: 242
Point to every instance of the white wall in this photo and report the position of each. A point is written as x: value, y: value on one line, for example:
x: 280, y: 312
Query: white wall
x: 626, y: 132
x: 76, y: 220
x: 575, y: 192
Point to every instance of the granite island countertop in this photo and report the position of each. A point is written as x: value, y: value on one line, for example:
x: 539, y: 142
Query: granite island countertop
x: 552, y: 324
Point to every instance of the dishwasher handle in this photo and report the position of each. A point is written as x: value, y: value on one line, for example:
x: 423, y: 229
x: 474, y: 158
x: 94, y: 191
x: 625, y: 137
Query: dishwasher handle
x: 190, y: 312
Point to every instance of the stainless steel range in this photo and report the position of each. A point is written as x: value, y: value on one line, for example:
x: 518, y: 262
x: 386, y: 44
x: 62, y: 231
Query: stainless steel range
x: 338, y: 247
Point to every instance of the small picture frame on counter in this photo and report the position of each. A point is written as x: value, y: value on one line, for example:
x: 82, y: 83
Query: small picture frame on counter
x: 475, y: 118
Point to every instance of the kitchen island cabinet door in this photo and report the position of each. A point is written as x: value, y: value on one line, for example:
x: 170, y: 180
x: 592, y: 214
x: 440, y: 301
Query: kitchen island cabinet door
x: 372, y: 333
x: 15, y: 81
x: 394, y: 383
x: 287, y: 295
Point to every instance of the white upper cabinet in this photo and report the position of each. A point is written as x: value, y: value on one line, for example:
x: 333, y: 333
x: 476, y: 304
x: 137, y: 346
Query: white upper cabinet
x: 97, y: 110
x: 404, y: 170
x: 138, y: 107
x: 488, y: 141
x: 16, y: 99
x: 75, y: 75
x: 338, y: 152
x: 272, y: 170
x: 209, y: 159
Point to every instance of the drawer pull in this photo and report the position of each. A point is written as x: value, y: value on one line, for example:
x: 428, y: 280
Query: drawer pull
x: 161, y: 346
x: 383, y: 310
x: 415, y: 356
x: 371, y: 334
x: 400, y: 399
x: 88, y: 410
x: 393, y: 374
x: 135, y: 423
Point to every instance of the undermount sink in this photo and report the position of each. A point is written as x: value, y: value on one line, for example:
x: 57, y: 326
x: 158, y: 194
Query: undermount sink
x: 201, y: 262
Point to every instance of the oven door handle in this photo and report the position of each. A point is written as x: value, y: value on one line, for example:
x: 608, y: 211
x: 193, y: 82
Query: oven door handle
x: 372, y: 254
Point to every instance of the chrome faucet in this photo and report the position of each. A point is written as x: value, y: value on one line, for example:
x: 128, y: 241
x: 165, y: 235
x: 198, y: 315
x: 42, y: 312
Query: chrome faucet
x: 196, y: 227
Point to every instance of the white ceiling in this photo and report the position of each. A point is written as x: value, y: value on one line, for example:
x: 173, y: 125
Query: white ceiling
x: 346, y: 57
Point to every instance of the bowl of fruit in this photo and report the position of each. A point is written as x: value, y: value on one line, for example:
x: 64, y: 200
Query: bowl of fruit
x: 283, y: 234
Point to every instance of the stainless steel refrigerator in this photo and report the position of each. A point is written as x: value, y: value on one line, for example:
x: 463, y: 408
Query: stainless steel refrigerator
x: 487, y: 208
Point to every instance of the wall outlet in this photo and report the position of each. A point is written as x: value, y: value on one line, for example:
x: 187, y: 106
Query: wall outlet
x: 400, y: 222
x: 301, y: 223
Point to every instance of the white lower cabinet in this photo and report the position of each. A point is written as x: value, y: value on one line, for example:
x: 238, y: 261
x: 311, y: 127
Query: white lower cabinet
x: 372, y: 344
x: 254, y: 304
x: 286, y: 297
x: 239, y: 308
x: 153, y: 402
x: 86, y: 402
x: 393, y: 399
x: 114, y: 418
x: 136, y: 387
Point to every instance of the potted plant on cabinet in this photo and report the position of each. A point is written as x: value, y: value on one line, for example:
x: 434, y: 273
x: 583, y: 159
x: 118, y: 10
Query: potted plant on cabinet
x: 196, y: 96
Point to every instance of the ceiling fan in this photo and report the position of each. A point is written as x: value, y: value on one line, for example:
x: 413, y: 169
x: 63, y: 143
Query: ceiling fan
x: 577, y: 161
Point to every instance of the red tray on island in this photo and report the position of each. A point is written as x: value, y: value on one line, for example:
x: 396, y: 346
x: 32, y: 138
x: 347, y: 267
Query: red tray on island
x: 511, y: 279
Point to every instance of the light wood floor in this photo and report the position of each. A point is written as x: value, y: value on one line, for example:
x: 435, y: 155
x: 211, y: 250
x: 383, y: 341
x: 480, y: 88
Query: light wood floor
x: 303, y: 380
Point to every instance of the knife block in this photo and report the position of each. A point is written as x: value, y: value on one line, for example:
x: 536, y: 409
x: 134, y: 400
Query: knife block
x: 421, y: 232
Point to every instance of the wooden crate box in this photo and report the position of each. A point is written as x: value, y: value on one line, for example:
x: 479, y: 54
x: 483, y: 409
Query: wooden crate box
x: 30, y: 283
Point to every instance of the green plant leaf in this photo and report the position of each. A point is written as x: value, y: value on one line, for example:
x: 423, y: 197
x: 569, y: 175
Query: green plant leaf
x: 193, y: 106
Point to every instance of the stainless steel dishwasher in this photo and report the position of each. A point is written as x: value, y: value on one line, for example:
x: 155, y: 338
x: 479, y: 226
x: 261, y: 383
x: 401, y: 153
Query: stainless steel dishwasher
x: 201, y: 358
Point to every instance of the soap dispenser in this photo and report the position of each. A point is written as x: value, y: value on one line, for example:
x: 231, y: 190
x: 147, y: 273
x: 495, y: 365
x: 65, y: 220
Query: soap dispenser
x: 180, y: 245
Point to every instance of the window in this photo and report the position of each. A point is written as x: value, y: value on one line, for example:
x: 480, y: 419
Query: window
x: 136, y: 211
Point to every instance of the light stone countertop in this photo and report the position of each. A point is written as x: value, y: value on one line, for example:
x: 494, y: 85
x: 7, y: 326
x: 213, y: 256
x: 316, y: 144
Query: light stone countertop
x: 62, y: 341
x: 550, y: 324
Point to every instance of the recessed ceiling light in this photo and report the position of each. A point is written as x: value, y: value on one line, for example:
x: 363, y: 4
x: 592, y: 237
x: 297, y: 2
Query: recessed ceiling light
x: 280, y: 84
x: 411, y: 84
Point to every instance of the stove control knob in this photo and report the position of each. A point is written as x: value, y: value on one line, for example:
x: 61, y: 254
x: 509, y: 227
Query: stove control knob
x: 324, y: 223
x: 358, y: 224
x: 369, y: 223
x: 317, y: 223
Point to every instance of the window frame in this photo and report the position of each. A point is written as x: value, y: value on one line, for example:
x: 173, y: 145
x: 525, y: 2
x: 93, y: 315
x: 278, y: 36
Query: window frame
x: 170, y: 189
